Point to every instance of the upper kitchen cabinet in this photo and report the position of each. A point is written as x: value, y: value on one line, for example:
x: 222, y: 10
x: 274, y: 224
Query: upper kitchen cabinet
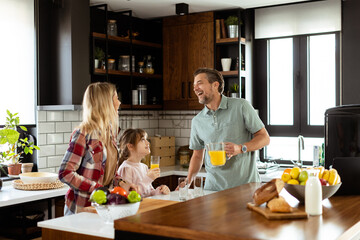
x: 127, y: 52
x: 63, y: 51
x: 188, y: 43
x: 233, y: 34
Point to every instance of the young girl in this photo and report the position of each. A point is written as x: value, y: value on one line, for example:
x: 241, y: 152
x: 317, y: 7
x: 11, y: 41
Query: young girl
x: 133, y: 147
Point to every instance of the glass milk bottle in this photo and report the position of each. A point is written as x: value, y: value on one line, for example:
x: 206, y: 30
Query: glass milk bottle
x: 313, y: 194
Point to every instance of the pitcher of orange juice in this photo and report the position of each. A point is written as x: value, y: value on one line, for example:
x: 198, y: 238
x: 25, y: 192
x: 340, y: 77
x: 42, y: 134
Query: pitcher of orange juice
x: 216, y: 153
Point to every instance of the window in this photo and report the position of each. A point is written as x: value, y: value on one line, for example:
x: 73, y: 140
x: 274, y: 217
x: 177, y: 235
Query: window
x: 302, y: 81
x: 17, y: 64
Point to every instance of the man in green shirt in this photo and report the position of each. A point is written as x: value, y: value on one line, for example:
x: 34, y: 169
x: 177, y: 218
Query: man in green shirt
x: 229, y: 120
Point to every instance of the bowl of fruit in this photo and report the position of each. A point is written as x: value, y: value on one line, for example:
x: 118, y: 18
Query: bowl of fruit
x: 114, y: 204
x: 295, y: 181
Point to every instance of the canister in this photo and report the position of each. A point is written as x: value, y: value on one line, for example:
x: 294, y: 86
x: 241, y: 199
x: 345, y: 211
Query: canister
x: 142, y: 89
x: 135, y: 97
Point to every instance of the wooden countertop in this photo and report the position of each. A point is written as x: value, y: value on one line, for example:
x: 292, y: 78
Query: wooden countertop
x: 224, y: 215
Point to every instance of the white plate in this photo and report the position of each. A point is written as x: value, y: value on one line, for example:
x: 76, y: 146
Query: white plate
x: 38, y: 177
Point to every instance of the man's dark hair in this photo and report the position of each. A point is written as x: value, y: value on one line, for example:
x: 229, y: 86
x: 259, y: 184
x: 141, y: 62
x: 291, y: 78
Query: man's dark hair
x: 212, y: 75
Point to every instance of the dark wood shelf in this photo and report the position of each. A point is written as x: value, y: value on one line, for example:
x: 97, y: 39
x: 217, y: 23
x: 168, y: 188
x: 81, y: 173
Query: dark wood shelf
x: 121, y: 73
x: 137, y: 107
x: 229, y: 40
x: 126, y: 40
x: 230, y: 73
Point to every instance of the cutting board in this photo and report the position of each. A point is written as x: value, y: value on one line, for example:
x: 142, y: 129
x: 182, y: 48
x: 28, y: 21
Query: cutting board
x: 263, y: 210
x: 146, y: 204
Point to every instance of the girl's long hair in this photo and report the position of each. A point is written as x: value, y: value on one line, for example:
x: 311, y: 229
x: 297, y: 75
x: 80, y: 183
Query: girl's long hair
x: 132, y: 136
x: 100, y: 118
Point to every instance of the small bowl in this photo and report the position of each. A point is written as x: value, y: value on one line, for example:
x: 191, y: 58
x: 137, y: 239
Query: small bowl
x: 38, y: 177
x: 109, y: 213
x: 298, y: 191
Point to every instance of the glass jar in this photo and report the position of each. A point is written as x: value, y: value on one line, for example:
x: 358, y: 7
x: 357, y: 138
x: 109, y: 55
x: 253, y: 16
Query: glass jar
x: 149, y: 66
x: 184, y: 158
x: 112, y: 28
x: 124, y: 63
x: 141, y: 67
x: 111, y: 64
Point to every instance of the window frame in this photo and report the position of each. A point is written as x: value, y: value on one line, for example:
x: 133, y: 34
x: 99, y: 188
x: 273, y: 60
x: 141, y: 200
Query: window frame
x: 300, y: 78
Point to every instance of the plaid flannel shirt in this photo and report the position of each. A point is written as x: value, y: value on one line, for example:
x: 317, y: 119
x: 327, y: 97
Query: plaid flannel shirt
x: 82, y: 168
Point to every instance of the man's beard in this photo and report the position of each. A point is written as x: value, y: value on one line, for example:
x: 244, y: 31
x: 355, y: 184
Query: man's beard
x: 206, y: 99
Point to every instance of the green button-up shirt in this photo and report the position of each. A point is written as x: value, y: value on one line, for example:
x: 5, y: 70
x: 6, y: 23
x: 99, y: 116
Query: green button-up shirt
x: 234, y: 121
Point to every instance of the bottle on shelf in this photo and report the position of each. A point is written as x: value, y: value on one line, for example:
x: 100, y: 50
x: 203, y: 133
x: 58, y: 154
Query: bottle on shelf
x: 313, y: 194
x: 149, y: 66
x: 112, y: 28
x: 141, y: 67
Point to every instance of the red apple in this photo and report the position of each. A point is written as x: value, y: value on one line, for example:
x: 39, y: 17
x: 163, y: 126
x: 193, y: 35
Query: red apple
x: 323, y: 182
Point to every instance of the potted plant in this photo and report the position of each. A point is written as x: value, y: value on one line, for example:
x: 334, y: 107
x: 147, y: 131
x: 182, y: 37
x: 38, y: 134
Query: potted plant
x: 232, y: 22
x: 234, y: 89
x: 99, y: 56
x: 11, y: 142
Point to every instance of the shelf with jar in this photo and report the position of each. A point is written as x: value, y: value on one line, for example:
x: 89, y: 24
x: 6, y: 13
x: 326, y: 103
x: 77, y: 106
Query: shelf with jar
x: 230, y: 50
x: 132, y: 55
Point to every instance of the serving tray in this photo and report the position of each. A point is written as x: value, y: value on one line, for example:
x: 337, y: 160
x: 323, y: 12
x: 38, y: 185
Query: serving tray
x: 263, y: 210
x: 18, y: 184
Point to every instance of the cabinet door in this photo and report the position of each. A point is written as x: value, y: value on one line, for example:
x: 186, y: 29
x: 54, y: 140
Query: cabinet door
x: 174, y: 62
x: 200, y: 51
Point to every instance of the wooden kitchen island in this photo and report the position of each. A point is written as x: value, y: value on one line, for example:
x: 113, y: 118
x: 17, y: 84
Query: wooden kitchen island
x: 224, y: 215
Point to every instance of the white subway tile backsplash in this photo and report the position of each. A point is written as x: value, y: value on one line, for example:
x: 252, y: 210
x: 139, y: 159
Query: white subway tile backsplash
x: 47, y: 150
x: 75, y: 125
x: 63, y: 127
x: 181, y: 141
x: 71, y: 115
x: 154, y: 123
x: 61, y: 149
x: 185, y: 132
x: 41, y: 139
x: 41, y: 117
x: 52, y: 170
x: 55, y: 128
x: 165, y: 124
x: 42, y: 162
x: 53, y: 138
x: 67, y: 137
x: 54, y: 161
x: 55, y: 116
x: 144, y: 124
x: 46, y: 127
x: 150, y: 132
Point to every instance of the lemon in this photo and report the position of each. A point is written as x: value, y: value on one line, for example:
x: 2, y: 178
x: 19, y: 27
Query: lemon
x: 293, y: 181
x: 294, y: 173
x: 285, y: 177
x: 303, y: 183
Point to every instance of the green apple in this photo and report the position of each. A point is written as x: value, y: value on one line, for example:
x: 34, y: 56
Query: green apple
x: 303, y: 176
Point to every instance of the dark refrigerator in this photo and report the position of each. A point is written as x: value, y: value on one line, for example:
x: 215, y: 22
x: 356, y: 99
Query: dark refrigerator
x: 342, y: 146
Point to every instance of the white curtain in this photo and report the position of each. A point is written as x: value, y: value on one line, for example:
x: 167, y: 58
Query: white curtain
x: 17, y: 61
x: 298, y: 19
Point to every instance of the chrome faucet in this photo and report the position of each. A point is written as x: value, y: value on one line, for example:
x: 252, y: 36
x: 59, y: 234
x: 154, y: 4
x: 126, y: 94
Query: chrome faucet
x: 300, y: 148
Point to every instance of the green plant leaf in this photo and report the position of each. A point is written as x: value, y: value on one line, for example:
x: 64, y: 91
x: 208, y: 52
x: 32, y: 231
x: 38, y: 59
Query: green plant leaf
x: 36, y: 147
x: 23, y: 128
x: 10, y: 135
x: 30, y: 151
x: 26, y: 150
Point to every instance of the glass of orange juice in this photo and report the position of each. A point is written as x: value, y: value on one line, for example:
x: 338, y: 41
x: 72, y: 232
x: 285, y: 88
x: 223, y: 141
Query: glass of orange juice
x: 217, y: 153
x: 155, y: 162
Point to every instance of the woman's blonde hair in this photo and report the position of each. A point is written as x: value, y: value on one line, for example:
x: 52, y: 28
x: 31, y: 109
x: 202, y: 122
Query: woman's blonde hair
x: 100, y: 118
x: 130, y: 136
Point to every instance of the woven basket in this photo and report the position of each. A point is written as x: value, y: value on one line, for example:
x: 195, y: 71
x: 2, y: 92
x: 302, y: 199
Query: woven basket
x: 18, y: 184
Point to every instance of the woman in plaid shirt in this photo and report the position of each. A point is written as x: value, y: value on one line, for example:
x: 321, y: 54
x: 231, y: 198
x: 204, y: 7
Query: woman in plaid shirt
x: 92, y: 157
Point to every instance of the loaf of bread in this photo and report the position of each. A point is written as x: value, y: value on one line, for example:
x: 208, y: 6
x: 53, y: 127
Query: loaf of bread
x: 268, y: 191
x: 279, y: 204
